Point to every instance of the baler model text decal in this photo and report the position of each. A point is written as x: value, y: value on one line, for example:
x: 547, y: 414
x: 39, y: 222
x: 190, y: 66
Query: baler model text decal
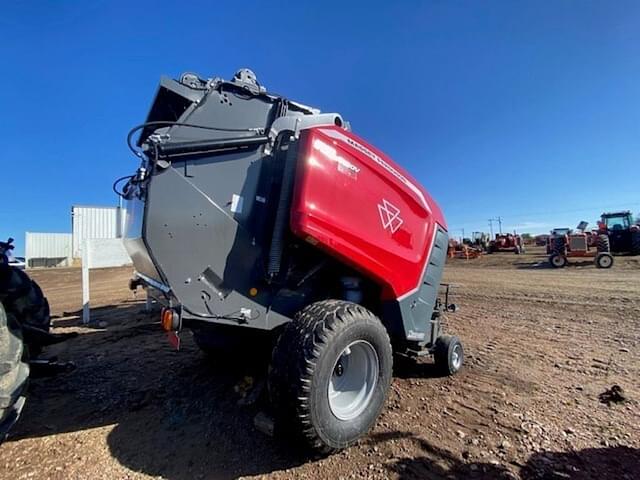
x: 361, y: 148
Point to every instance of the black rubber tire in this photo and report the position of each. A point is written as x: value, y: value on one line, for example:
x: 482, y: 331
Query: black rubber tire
x: 14, y: 372
x: 23, y: 298
x: 635, y: 242
x: 303, y: 362
x: 558, y: 261
x: 604, y: 260
x: 446, y: 347
x: 559, y: 246
x: 603, y: 245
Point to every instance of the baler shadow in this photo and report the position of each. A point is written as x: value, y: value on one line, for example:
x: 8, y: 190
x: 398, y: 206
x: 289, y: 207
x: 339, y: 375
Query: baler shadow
x: 609, y: 463
x: 409, y: 368
x: 438, y: 463
x: 176, y: 414
x: 195, y: 428
x: 545, y: 265
x: 107, y: 313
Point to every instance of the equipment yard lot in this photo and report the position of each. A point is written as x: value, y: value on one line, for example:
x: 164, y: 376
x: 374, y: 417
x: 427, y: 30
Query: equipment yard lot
x: 541, y: 346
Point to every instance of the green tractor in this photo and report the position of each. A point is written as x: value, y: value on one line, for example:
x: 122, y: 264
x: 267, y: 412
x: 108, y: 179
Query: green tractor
x: 622, y: 230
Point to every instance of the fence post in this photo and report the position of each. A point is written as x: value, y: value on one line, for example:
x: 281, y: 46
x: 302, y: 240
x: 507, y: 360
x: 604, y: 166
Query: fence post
x: 86, y: 313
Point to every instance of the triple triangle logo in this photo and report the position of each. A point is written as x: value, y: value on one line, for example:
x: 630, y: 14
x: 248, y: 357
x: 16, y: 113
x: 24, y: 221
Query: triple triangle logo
x: 389, y: 216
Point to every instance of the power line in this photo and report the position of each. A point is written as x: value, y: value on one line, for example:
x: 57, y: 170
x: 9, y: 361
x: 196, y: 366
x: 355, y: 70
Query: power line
x: 491, y: 220
x: 559, y: 212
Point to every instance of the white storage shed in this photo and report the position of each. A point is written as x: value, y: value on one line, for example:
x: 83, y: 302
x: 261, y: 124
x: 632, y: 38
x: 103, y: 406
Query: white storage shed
x: 94, y: 222
x: 48, y: 249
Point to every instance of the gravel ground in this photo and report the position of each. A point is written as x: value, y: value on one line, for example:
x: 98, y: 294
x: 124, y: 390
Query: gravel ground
x: 542, y: 346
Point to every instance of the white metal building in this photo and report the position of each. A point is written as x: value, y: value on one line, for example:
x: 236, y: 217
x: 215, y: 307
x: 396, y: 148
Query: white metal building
x: 48, y: 249
x: 94, y: 222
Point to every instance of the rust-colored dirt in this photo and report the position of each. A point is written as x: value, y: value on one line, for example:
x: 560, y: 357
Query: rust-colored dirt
x: 541, y: 346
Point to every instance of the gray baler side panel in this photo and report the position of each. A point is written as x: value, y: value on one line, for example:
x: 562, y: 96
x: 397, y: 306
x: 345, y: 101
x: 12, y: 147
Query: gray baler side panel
x: 182, y: 90
x: 410, y: 318
x: 210, y: 260
x: 133, y: 237
x: 223, y: 109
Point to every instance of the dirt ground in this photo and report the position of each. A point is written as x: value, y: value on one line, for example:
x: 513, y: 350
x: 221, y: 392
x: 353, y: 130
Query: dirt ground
x: 541, y: 345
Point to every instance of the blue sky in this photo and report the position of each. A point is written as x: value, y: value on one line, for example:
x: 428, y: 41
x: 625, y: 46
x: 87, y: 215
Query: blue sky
x: 525, y: 110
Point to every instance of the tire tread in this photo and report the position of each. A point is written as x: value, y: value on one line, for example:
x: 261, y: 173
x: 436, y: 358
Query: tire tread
x: 295, y: 358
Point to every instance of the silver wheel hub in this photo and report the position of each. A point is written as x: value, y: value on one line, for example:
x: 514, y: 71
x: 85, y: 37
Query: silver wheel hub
x: 353, y: 380
x: 456, y: 357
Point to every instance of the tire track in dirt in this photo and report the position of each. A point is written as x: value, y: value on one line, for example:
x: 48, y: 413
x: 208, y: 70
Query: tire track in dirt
x: 540, y: 346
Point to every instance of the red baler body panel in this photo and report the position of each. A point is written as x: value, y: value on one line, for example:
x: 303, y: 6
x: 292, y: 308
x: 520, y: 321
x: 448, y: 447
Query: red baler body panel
x: 354, y: 202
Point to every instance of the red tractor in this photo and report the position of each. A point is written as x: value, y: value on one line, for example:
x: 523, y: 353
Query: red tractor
x: 509, y: 242
x: 623, y: 232
x: 578, y: 244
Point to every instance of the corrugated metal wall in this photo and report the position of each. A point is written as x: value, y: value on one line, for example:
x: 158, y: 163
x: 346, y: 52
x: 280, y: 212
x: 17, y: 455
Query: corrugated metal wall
x: 48, y: 249
x: 93, y: 222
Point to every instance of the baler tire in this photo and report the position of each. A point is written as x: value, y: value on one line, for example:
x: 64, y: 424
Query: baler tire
x: 603, y: 245
x: 448, y: 355
x: 307, y: 365
x: 14, y: 372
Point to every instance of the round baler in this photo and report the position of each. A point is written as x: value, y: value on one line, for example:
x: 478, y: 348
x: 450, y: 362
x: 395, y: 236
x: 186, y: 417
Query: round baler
x: 257, y: 220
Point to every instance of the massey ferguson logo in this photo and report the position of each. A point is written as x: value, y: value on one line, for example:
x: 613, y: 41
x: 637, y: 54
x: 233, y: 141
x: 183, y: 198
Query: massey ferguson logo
x: 389, y: 216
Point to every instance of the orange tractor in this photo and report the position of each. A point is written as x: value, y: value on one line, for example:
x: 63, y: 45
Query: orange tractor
x: 466, y: 250
x: 579, y: 244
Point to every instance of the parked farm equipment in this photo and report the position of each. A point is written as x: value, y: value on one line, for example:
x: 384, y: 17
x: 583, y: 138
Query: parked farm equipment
x: 579, y: 244
x: 299, y: 232
x: 541, y: 240
x: 623, y: 232
x: 465, y: 250
x: 506, y: 243
x: 479, y: 241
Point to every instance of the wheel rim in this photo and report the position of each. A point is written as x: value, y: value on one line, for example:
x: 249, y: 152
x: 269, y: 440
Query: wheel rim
x: 605, y: 261
x: 456, y: 357
x: 558, y: 261
x: 353, y: 381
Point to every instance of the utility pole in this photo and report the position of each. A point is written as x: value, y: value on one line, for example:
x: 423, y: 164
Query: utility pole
x: 499, y: 220
x: 462, y: 235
